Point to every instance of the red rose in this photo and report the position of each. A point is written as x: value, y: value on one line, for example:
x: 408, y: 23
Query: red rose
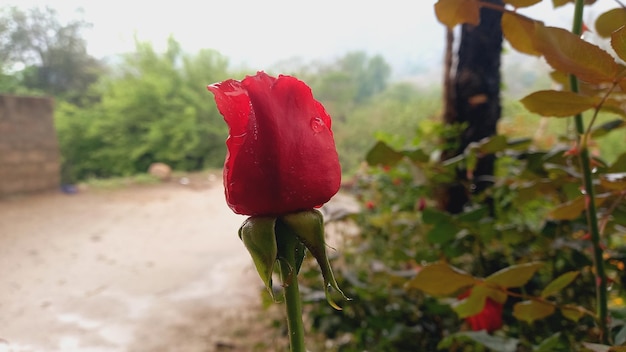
x: 490, y: 318
x: 281, y: 152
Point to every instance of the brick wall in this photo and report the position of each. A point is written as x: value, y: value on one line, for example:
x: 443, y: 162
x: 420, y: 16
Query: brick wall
x: 29, y: 150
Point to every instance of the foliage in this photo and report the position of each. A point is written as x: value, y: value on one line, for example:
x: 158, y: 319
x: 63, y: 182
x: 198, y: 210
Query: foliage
x: 526, y: 242
x: 50, y: 57
x: 153, y: 108
x: 396, y: 111
x: 399, y: 301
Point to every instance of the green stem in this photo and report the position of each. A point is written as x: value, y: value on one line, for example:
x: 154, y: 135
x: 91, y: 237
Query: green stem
x: 592, y: 217
x: 288, y: 245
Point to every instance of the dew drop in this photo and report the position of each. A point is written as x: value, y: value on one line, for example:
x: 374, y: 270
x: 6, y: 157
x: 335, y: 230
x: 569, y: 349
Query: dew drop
x: 317, y: 125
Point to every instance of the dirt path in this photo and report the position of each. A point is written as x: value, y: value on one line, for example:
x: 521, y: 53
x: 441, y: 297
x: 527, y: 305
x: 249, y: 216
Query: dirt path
x: 146, y: 268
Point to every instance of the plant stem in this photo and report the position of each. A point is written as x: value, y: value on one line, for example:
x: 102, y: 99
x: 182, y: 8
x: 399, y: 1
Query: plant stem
x: 592, y: 217
x: 289, y: 278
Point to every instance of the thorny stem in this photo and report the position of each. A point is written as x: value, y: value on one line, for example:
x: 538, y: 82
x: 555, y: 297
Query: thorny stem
x: 592, y: 218
x: 289, y: 278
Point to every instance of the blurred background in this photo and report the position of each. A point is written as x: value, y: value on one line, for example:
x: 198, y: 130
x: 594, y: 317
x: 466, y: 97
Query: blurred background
x: 140, y: 244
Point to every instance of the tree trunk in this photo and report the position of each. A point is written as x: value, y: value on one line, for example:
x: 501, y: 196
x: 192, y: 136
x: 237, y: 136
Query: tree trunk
x: 473, y: 98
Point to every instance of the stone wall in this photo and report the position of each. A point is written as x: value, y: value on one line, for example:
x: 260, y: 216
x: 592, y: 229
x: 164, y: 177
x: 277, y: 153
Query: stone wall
x: 29, y: 150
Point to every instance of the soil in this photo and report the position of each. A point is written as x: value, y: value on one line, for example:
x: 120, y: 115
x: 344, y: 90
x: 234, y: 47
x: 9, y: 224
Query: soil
x: 139, y: 268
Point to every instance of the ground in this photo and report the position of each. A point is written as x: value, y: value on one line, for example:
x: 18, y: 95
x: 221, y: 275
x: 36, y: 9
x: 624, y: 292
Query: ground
x: 141, y: 268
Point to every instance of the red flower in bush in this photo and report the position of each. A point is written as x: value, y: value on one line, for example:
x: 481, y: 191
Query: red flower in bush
x: 490, y: 318
x: 281, y: 152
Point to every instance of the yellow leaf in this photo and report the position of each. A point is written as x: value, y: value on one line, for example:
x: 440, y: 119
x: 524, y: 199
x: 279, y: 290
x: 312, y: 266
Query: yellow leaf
x: 530, y: 311
x: 472, y: 304
x: 618, y: 40
x: 614, y: 106
x: 475, y: 302
x: 559, y: 3
x: 584, y: 88
x: 568, y: 211
x: 558, y: 103
x: 440, y: 279
x: 567, y: 52
x: 515, y: 275
x: 521, y: 3
x: 519, y: 31
x: 572, y: 209
x: 573, y: 313
x: 614, y: 182
x: 610, y: 21
x: 453, y: 12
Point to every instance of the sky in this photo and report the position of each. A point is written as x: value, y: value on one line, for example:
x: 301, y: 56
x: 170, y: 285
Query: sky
x: 259, y: 33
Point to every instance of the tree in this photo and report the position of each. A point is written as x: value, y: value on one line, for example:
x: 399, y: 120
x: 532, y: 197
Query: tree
x: 44, y: 54
x: 473, y: 99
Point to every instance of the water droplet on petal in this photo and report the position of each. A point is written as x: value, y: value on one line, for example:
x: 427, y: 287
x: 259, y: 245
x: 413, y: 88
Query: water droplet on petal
x: 317, y: 125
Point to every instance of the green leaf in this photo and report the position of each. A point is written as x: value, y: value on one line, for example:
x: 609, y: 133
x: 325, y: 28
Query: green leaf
x: 417, y: 155
x: 519, y: 31
x: 453, y: 12
x: 491, y: 145
x: 618, y: 165
x: 382, y: 154
x: 573, y: 313
x: 529, y: 311
x: 515, y: 275
x: 519, y: 143
x: 474, y: 214
x: 551, y: 344
x: 610, y: 21
x: 569, y: 53
x: 618, y: 38
x: 558, y: 103
x: 607, y: 127
x: 442, y: 232
x: 433, y: 216
x: 559, y: 283
x: 258, y: 235
x: 494, y: 343
x: 440, y: 279
x: 522, y: 3
x: 620, y: 337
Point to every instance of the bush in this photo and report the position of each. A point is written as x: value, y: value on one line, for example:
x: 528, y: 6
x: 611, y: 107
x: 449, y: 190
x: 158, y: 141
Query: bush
x: 533, y: 214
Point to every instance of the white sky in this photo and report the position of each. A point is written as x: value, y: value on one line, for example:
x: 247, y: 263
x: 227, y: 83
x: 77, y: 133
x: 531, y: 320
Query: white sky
x: 259, y: 33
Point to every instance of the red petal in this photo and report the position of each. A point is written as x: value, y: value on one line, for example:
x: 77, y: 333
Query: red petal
x: 287, y: 159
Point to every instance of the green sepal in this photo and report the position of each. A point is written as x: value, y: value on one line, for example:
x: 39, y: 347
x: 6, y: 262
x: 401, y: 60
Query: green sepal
x: 258, y: 235
x: 309, y: 227
x: 288, y: 242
